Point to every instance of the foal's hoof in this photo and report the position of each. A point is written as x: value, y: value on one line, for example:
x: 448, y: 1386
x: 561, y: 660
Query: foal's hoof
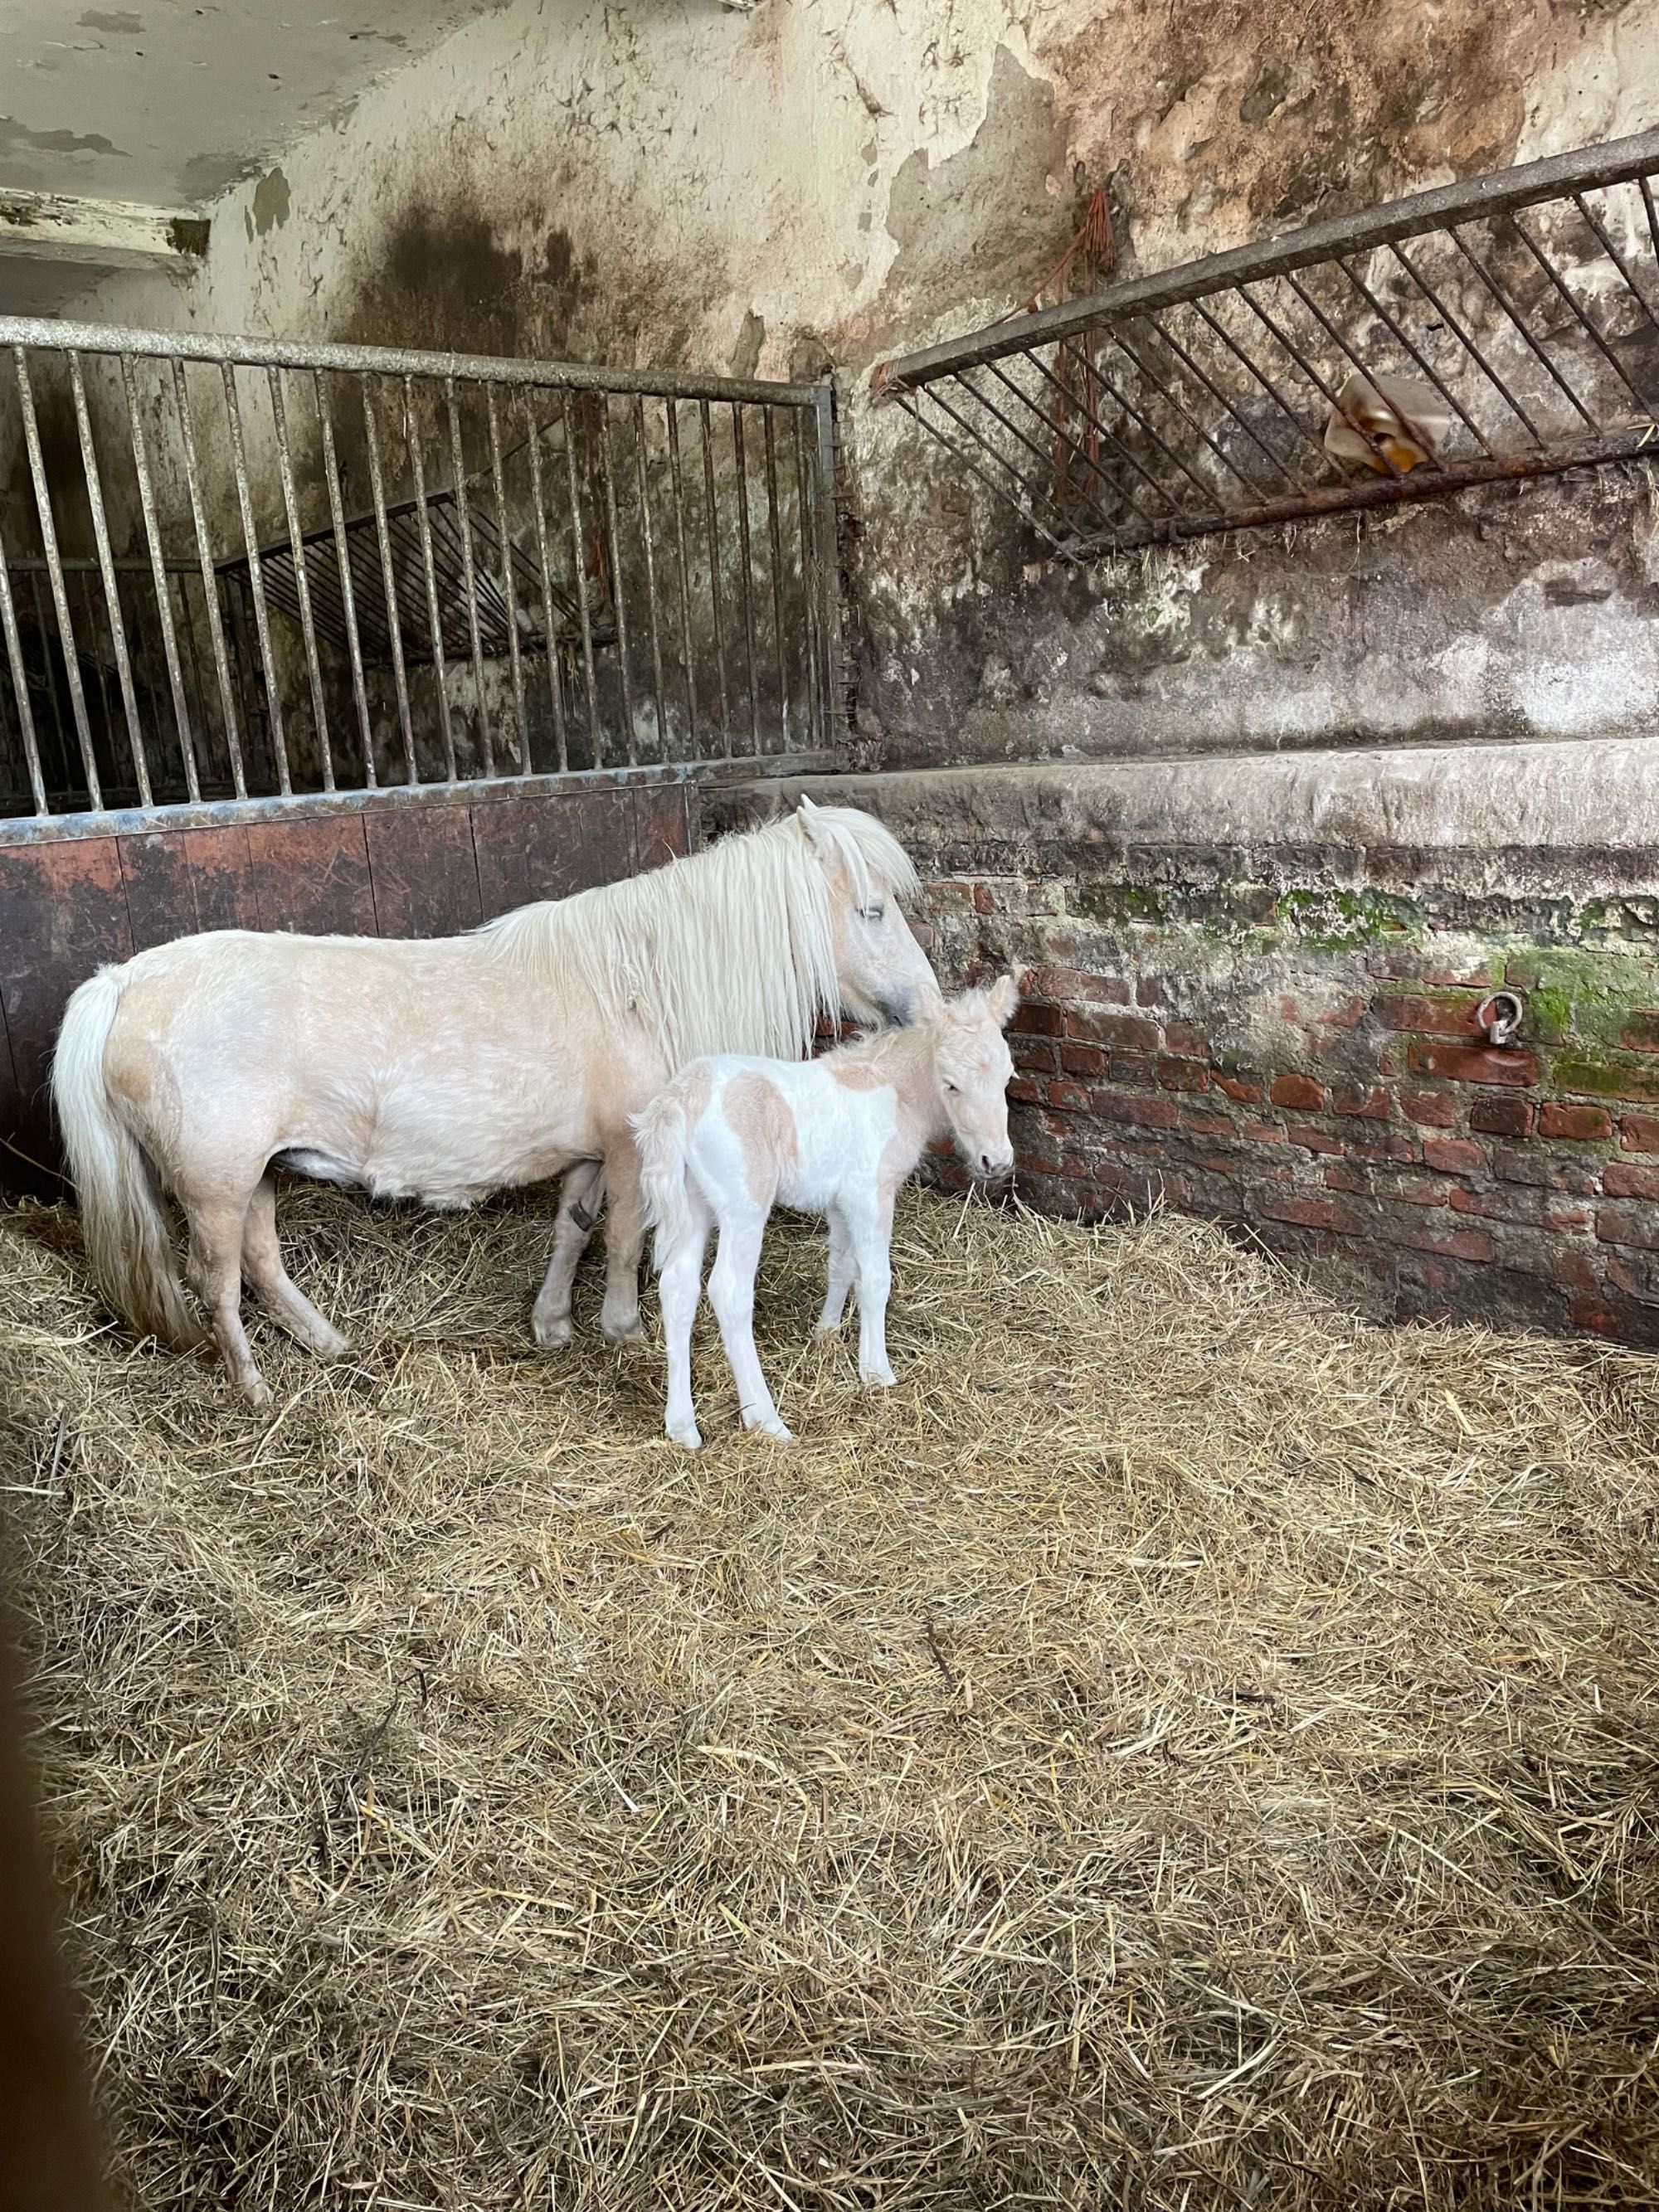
x: 687, y: 1433
x: 775, y: 1429
x: 878, y: 1378
x: 551, y: 1331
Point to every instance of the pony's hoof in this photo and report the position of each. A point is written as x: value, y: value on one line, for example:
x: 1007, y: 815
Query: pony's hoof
x: 552, y: 1332
x: 333, y: 1346
x: 623, y: 1332
x: 256, y: 1393
x: 687, y: 1433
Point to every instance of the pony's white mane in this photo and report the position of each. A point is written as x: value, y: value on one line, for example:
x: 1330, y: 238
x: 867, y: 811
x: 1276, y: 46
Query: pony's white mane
x: 730, y: 950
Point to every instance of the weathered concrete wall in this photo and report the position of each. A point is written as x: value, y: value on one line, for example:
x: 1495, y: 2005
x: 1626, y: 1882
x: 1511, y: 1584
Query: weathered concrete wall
x: 782, y: 188
x: 1253, y: 992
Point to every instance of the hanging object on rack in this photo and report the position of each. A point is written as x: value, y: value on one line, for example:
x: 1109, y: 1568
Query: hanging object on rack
x: 1390, y: 424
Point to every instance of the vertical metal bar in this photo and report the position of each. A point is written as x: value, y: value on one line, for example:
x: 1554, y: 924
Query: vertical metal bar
x: 551, y: 631
x: 1163, y: 388
x: 810, y: 642
x: 1653, y: 217
x: 1501, y: 296
x: 469, y: 572
x: 1467, y: 344
x: 347, y: 594
x: 1201, y: 376
x: 1577, y: 311
x: 187, y: 625
x: 1403, y: 340
x: 596, y: 741
x: 649, y: 548
x: 55, y: 578
x: 714, y: 570
x: 56, y: 703
x: 1308, y: 369
x: 829, y: 558
x: 389, y: 584
x: 158, y: 574
x: 88, y: 629
x: 118, y: 630
x: 671, y: 408
x: 775, y: 531
x: 745, y: 581
x: 433, y: 613
x: 618, y: 596
x: 1612, y: 253
x: 19, y: 685
x: 509, y: 593
x: 256, y: 579
x: 302, y: 575
x: 1266, y: 383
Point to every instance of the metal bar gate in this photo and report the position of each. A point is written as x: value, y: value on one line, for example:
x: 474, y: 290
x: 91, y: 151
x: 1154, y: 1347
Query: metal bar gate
x: 1501, y: 328
x: 233, y: 569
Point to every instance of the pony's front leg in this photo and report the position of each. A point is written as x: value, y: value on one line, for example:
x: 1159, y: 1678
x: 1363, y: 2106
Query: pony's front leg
x: 872, y: 1236
x: 842, y: 1269
x: 579, y: 1209
x: 624, y: 1241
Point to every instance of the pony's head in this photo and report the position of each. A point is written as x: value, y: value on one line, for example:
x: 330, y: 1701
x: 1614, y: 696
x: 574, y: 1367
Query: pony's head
x: 881, y: 972
x: 972, y: 1067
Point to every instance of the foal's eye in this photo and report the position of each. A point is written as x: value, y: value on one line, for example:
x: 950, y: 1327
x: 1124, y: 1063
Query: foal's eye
x: 951, y: 1088
x: 873, y: 913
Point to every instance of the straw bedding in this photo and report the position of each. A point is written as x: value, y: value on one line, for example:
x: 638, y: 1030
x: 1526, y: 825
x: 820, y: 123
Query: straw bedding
x: 1183, y: 1747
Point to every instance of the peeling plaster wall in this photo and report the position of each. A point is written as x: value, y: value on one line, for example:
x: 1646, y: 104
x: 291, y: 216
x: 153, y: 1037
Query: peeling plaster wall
x: 788, y: 187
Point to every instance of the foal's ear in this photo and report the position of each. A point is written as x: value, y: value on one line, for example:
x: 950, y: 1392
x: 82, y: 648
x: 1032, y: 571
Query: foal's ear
x: 1003, y: 997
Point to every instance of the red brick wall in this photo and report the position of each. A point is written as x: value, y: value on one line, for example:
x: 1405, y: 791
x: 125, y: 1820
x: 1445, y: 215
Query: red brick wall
x: 1339, y: 1102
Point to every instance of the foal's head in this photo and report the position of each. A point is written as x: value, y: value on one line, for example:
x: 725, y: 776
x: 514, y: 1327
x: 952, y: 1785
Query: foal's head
x: 973, y: 1068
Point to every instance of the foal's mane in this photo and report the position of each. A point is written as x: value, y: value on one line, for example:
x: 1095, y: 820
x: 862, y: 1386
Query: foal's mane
x: 730, y: 950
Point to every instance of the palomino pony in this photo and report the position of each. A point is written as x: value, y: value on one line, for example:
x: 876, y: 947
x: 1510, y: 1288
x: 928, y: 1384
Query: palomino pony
x: 442, y: 1069
x: 731, y: 1137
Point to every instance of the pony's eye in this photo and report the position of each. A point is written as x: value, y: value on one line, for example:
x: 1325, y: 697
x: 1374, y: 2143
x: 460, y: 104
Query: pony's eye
x: 874, y: 913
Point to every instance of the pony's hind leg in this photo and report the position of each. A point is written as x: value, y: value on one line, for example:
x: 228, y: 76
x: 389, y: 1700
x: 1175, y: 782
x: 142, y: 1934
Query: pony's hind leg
x: 731, y: 1294
x: 579, y: 1205
x: 215, y: 1273
x: 266, y: 1277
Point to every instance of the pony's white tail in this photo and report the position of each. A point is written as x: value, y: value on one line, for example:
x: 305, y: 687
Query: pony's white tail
x: 663, y: 1134
x: 129, y: 1246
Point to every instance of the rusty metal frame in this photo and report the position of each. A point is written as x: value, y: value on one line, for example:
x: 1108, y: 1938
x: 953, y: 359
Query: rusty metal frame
x: 449, y: 567
x: 1519, y: 306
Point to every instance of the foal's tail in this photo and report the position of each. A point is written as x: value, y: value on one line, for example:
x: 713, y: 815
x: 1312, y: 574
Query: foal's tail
x: 128, y: 1245
x: 663, y: 1134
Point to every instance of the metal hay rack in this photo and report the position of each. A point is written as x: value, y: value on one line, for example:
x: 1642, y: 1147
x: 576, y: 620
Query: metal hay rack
x: 1523, y: 307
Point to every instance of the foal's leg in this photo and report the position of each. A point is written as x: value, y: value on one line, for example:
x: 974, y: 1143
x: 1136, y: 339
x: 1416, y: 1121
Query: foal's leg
x: 731, y: 1294
x: 264, y: 1274
x: 625, y: 1241
x: 842, y: 1270
x: 871, y: 1232
x: 678, y: 1287
x: 579, y: 1207
x: 215, y: 1273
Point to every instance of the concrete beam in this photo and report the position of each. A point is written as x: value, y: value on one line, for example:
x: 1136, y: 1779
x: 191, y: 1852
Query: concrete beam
x: 105, y: 233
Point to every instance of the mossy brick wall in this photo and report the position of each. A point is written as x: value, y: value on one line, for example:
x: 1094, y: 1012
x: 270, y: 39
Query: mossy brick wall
x: 1306, y: 1062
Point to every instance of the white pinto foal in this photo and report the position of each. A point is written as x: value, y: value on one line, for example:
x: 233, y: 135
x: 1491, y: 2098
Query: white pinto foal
x: 732, y: 1136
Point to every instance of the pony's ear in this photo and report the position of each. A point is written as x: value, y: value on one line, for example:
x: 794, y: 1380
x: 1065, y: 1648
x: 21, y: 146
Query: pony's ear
x: 1002, y: 997
x: 807, y: 815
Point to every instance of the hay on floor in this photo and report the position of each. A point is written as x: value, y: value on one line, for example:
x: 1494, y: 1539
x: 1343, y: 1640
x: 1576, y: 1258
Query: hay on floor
x: 1183, y: 1747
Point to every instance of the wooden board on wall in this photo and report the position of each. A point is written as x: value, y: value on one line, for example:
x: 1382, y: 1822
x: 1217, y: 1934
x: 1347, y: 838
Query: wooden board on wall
x: 386, y: 868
